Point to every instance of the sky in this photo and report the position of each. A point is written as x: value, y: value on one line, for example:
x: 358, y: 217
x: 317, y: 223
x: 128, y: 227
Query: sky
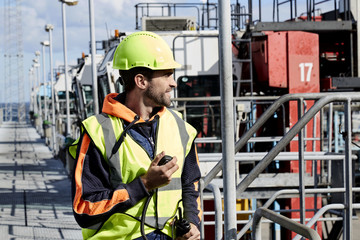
x: 108, y: 16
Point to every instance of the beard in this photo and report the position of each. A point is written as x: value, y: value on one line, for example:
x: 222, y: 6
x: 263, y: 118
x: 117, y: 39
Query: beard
x: 157, y: 98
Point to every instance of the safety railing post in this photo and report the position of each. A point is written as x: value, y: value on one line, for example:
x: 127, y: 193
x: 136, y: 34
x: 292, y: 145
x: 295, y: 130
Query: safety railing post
x: 202, y: 228
x: 348, y: 173
x: 301, y: 162
x: 218, y: 210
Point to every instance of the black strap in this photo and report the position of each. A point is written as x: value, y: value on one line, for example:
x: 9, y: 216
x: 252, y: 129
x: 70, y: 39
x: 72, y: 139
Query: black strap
x: 122, y: 136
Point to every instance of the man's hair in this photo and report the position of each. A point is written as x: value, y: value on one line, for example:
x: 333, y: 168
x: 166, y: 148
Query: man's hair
x: 129, y: 75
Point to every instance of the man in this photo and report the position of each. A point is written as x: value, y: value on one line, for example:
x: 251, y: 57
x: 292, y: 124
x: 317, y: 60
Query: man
x: 119, y: 190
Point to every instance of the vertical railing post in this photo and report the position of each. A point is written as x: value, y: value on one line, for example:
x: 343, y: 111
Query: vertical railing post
x: 227, y: 119
x: 218, y: 210
x: 330, y: 133
x: 348, y: 173
x: 202, y: 226
x: 301, y: 162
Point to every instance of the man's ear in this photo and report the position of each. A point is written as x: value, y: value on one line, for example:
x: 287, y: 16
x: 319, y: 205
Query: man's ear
x: 140, y: 81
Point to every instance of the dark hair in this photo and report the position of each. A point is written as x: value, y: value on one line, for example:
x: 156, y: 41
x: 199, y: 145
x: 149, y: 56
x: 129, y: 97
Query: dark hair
x: 129, y: 75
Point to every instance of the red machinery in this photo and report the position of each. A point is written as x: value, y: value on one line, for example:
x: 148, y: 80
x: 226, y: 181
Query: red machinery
x: 290, y: 60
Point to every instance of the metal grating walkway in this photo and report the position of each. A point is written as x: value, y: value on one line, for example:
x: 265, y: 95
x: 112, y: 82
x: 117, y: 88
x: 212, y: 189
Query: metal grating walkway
x: 35, y: 192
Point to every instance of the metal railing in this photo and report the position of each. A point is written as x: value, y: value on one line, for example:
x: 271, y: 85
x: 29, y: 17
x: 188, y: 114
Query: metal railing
x: 283, y: 221
x: 322, y: 100
x: 324, y: 210
x: 276, y: 195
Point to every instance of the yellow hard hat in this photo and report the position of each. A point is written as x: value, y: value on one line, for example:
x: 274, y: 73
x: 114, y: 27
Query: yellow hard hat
x: 144, y: 49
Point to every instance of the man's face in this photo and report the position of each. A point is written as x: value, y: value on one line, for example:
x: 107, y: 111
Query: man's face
x: 160, y: 86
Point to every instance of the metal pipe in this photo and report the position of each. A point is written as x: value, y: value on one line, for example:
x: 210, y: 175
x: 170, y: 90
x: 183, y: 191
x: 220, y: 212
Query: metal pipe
x: 44, y: 79
x: 330, y: 127
x: 314, y: 134
x: 283, y: 221
x: 31, y: 91
x: 348, y: 174
x: 301, y: 162
x: 290, y: 135
x: 93, y: 61
x: 352, y: 53
x: 35, y: 90
x: 218, y: 210
x: 68, y: 130
x: 282, y: 156
x: 322, y: 211
x: 269, y: 112
x: 291, y: 192
x: 49, y: 29
x: 357, y: 13
x: 39, y: 96
x: 202, y: 225
x: 315, y: 166
x: 227, y: 119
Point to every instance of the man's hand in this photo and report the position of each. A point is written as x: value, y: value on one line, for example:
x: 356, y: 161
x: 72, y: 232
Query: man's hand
x: 158, y: 176
x: 193, y: 234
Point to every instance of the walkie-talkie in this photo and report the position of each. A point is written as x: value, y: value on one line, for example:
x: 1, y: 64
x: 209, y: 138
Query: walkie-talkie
x: 165, y: 159
x: 182, y: 225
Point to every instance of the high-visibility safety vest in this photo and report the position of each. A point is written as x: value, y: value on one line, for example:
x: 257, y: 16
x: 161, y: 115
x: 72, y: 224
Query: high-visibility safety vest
x: 175, y: 137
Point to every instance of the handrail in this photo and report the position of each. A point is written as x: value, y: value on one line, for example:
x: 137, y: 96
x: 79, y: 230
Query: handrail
x: 283, y: 221
x: 260, y: 167
x: 327, y: 98
x: 218, y: 210
x: 282, y: 156
x: 322, y: 211
x: 291, y: 192
x: 260, y: 122
x: 322, y: 100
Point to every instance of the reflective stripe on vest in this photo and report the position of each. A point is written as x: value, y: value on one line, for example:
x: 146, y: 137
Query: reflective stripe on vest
x: 132, y: 161
x: 110, y: 140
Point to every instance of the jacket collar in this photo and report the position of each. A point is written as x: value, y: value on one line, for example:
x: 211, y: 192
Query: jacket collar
x: 113, y: 105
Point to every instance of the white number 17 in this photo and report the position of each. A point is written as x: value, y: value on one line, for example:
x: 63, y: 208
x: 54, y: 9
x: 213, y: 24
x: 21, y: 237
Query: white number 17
x: 302, y: 67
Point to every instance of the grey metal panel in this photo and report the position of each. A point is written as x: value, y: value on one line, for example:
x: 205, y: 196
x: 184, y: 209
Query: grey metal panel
x: 304, y: 26
x: 346, y: 82
x: 87, y: 77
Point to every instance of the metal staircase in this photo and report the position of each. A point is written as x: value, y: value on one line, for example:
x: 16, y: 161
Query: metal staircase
x: 249, y: 181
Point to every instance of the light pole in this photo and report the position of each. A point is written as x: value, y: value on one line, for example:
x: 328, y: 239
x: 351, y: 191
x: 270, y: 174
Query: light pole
x: 93, y: 52
x: 36, y: 67
x: 34, y: 88
x: 32, y: 84
x: 49, y: 28
x: 70, y: 3
x: 44, y: 44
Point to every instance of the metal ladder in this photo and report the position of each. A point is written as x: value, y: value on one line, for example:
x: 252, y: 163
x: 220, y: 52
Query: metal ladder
x: 246, y: 59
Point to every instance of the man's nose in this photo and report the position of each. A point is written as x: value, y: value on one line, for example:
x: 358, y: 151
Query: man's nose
x: 173, y: 82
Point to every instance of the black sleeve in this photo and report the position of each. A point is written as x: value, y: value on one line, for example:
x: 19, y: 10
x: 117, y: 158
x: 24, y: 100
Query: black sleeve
x: 94, y: 199
x: 190, y: 187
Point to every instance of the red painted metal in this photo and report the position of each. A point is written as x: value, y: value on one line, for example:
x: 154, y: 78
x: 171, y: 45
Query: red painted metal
x: 303, y: 77
x: 269, y: 59
x: 277, y: 54
x: 291, y: 60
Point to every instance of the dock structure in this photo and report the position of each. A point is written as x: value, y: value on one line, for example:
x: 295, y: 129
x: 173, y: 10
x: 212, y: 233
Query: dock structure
x: 35, y: 190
